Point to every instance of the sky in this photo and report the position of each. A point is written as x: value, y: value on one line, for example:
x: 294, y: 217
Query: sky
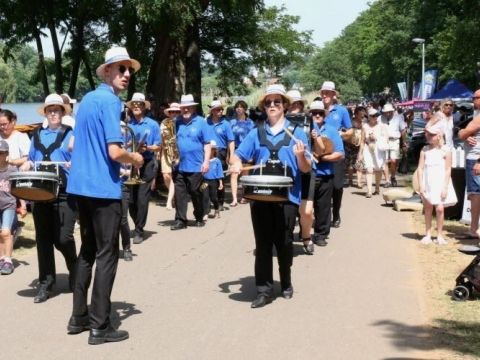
x: 327, y: 18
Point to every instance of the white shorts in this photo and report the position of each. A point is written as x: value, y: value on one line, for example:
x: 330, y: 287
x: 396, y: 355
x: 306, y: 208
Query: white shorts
x: 393, y: 152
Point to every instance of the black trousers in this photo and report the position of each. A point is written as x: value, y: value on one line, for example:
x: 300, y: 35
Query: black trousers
x: 54, y: 224
x: 140, y: 196
x: 99, y: 228
x: 124, y: 227
x: 273, y: 224
x: 322, y: 203
x: 210, y: 195
x: 222, y: 155
x: 338, y: 180
x: 188, y: 184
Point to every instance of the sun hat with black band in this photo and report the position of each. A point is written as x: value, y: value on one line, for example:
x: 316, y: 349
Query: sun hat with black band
x: 53, y: 99
x: 317, y: 106
x: 173, y: 107
x: 295, y: 96
x: 114, y: 55
x: 215, y: 104
x: 274, y: 89
x: 187, y: 100
x: 138, y: 97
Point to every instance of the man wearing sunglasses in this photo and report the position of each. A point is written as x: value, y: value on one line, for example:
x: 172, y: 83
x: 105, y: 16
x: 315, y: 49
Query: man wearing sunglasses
x: 95, y: 182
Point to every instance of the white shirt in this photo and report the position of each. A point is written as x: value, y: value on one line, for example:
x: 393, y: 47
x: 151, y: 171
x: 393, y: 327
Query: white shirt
x: 395, y: 126
x: 18, y: 145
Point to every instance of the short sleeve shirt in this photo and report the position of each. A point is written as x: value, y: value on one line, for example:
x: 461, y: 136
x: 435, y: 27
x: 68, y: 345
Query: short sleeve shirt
x: 93, y: 173
x: 147, y: 131
x: 191, y: 137
x: 18, y: 145
x: 338, y: 118
x: 240, y: 129
x: 250, y: 148
x: 395, y: 126
x: 324, y: 168
x: 7, y: 200
x: 215, y: 170
x: 222, y: 132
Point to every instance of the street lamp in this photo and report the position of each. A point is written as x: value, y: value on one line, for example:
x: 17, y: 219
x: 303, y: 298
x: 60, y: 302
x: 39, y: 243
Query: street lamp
x: 422, y: 41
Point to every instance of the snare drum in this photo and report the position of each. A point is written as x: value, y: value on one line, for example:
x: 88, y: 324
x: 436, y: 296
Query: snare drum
x: 34, y: 185
x: 271, y: 188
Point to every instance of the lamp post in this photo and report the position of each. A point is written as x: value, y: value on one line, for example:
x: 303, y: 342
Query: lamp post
x: 422, y: 89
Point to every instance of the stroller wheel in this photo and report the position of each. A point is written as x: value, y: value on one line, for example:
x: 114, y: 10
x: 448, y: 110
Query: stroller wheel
x: 461, y: 293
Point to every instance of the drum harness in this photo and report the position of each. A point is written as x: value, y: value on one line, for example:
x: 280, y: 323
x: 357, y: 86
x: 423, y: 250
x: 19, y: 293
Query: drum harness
x: 273, y: 165
x: 46, y: 152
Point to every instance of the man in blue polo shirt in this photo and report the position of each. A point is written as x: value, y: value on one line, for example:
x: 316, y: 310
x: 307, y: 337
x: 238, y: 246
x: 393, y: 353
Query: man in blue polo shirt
x: 338, y: 118
x: 224, y: 138
x: 324, y: 176
x: 273, y: 222
x: 95, y: 180
x: 193, y: 143
x: 148, y: 139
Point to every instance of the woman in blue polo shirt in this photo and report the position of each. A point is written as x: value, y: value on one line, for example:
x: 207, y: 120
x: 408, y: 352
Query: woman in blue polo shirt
x: 273, y: 222
x: 54, y: 221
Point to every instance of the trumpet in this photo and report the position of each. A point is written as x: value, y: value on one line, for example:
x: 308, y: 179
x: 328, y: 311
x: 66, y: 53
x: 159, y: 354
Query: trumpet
x: 131, y: 143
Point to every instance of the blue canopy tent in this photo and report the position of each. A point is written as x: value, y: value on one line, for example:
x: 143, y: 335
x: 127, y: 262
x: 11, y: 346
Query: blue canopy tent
x: 453, y: 89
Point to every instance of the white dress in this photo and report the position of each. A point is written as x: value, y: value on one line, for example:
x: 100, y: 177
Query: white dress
x: 373, y: 157
x: 434, y: 175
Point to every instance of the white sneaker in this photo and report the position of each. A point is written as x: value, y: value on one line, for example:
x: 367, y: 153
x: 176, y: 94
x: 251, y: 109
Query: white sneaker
x: 426, y: 240
x: 441, y: 241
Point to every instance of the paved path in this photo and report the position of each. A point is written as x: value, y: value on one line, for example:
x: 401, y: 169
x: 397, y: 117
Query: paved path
x: 187, y: 295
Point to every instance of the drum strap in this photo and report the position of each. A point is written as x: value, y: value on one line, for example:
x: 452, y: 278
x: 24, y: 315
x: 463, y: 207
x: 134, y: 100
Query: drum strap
x: 46, y: 152
x: 262, y: 136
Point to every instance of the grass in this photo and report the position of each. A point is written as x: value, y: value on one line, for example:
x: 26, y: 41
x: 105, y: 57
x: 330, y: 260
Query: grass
x: 455, y: 326
x: 26, y: 241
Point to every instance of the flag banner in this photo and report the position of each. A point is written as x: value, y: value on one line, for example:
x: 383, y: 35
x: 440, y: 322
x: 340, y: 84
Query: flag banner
x: 430, y: 82
x: 402, y: 88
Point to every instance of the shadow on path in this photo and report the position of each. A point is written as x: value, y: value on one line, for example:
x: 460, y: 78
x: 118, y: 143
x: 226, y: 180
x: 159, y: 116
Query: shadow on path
x: 247, y: 291
x: 60, y: 287
x: 456, y: 336
x: 122, y: 310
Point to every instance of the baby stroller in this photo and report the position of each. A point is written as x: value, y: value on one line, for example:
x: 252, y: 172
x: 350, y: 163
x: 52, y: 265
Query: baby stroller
x: 469, y: 278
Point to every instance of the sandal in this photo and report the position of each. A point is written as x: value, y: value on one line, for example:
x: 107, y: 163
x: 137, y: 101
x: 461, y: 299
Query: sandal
x: 233, y: 204
x: 243, y: 201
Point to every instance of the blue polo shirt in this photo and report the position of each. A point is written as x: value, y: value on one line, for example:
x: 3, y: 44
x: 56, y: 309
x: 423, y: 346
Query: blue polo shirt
x: 215, y: 170
x: 48, y: 137
x: 323, y: 168
x: 240, y: 129
x: 93, y: 172
x: 339, y: 118
x: 222, y: 132
x: 250, y: 149
x: 191, y: 137
x: 147, y: 130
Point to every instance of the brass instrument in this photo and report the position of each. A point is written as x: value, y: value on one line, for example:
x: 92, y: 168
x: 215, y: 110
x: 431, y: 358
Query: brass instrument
x: 130, y: 143
x: 169, y: 141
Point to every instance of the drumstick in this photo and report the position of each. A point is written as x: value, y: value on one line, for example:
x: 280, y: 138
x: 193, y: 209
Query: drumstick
x: 250, y: 167
x: 289, y: 133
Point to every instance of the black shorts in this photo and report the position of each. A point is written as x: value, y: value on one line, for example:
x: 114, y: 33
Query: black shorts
x: 308, y: 186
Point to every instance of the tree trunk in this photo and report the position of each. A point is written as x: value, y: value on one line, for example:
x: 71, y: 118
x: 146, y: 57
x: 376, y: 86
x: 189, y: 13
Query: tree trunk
x: 77, y: 51
x: 41, y: 64
x: 88, y: 70
x: 192, y: 64
x: 166, y: 78
x: 58, y: 57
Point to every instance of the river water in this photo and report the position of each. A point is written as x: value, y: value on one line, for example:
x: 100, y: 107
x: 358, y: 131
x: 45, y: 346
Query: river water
x: 27, y: 112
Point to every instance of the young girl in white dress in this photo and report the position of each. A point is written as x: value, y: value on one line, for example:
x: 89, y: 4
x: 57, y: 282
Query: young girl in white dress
x: 372, y: 150
x: 436, y: 187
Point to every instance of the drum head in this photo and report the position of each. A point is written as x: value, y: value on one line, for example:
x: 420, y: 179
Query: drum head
x: 34, y: 194
x: 34, y: 185
x: 267, y: 180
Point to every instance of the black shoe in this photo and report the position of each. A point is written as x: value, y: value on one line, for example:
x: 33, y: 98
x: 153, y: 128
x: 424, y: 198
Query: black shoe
x: 336, y: 223
x: 308, y: 248
x: 393, y: 181
x: 127, y: 255
x: 261, y: 301
x: 78, y: 324
x: 98, y: 336
x: 199, y: 223
x: 320, y: 241
x: 42, y: 295
x: 287, y: 293
x: 138, y: 239
x: 178, y: 225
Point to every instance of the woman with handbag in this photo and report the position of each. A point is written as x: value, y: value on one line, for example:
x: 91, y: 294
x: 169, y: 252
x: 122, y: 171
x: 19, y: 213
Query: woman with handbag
x: 373, y: 145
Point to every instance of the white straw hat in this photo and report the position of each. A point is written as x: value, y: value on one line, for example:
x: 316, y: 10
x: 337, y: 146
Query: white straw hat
x: 388, y: 107
x: 215, y: 104
x: 328, y: 86
x: 53, y: 99
x: 274, y: 89
x: 317, y: 105
x: 114, y: 55
x: 173, y: 107
x: 187, y: 100
x: 295, y: 95
x: 138, y: 97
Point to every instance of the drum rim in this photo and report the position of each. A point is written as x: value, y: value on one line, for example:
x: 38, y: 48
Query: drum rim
x: 34, y: 175
x: 269, y: 180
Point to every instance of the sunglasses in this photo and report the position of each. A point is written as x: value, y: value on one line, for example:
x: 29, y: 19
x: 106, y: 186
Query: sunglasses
x: 275, y: 102
x: 376, y: 115
x: 123, y: 68
x: 475, y: 97
x: 448, y: 105
x: 318, y: 113
x: 137, y: 104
